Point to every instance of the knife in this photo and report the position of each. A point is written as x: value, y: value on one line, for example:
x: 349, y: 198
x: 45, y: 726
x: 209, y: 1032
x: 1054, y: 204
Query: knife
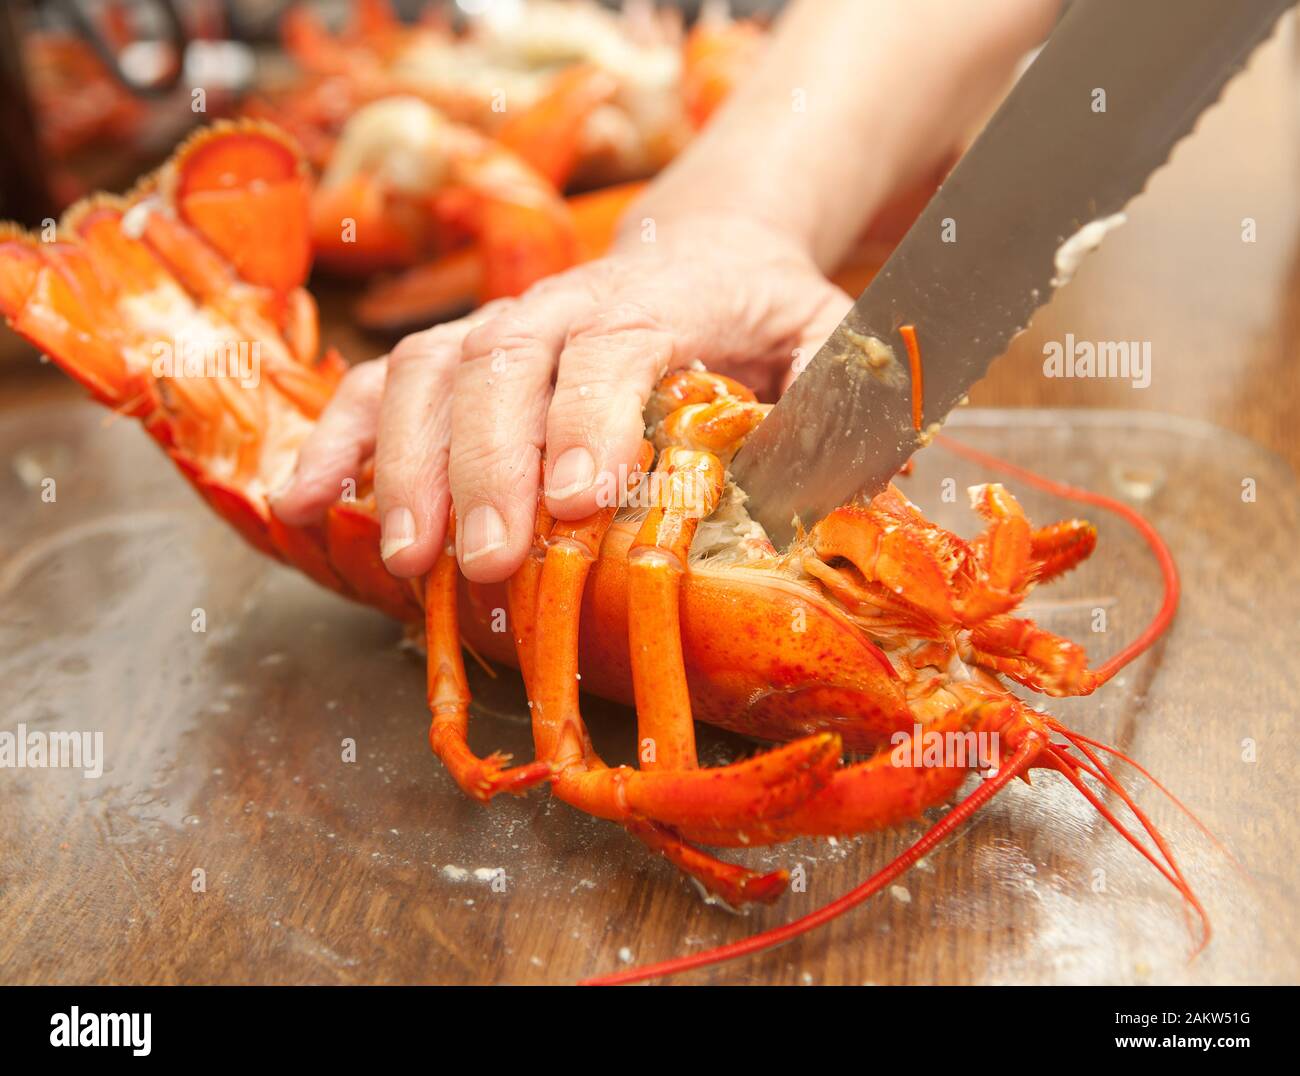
x: 1117, y: 84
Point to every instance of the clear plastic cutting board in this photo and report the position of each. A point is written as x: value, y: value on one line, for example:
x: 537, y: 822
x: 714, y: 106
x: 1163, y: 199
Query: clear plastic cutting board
x: 224, y: 754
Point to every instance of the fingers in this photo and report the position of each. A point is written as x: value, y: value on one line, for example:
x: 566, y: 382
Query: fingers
x: 411, y: 491
x: 461, y: 414
x: 502, y: 391
x: 607, y: 370
x: 343, y: 439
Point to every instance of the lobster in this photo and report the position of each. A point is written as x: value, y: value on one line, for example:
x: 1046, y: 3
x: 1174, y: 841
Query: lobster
x: 644, y: 87
x: 405, y: 184
x: 464, y: 205
x: 456, y: 184
x: 874, y: 632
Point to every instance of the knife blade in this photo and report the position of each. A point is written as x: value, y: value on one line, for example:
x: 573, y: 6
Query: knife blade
x: 1117, y: 84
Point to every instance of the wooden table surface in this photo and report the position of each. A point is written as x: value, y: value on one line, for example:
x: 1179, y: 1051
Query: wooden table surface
x: 225, y: 749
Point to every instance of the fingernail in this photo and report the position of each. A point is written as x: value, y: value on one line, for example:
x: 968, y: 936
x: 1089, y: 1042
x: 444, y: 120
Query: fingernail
x: 483, y: 532
x: 572, y: 473
x: 398, y: 531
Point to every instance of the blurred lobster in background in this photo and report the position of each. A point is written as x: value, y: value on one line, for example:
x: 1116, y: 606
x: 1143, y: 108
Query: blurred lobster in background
x: 654, y: 81
x: 444, y: 157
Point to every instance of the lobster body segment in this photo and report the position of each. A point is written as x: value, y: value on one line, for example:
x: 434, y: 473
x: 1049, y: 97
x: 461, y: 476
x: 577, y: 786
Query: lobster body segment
x: 874, y: 630
x: 748, y: 669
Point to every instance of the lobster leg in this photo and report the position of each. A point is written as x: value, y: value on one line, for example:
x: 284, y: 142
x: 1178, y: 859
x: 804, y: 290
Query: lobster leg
x: 480, y: 778
x: 890, y: 787
x: 1033, y: 656
x: 1061, y: 546
x: 766, y: 786
x: 1009, y: 556
x: 521, y: 595
x: 687, y: 485
x: 691, y: 483
x: 736, y: 885
x: 890, y: 612
x: 719, y: 426
x: 1001, y: 564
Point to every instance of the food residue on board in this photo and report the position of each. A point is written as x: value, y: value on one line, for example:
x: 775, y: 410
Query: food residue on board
x: 454, y: 873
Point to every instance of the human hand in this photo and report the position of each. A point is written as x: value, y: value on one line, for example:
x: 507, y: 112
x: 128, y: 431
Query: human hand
x: 462, y: 413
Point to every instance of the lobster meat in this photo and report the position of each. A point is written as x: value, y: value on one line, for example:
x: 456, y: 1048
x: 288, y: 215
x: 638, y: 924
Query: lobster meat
x: 875, y: 630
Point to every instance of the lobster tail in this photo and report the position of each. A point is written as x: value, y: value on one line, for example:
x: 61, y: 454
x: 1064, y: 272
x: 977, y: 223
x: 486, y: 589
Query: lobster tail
x: 212, y: 248
x: 243, y: 187
x: 181, y: 303
x: 50, y: 295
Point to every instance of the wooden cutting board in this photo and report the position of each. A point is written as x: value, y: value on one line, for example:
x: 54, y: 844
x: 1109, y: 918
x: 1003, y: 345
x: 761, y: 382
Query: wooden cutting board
x: 226, y: 750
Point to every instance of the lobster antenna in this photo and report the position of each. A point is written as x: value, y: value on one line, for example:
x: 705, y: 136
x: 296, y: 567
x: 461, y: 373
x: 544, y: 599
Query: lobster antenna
x: 1079, y: 738
x: 1103, y: 773
x: 1069, y: 768
x: 1153, y: 631
x: 1099, y: 771
x: 1018, y: 764
x: 1173, y: 873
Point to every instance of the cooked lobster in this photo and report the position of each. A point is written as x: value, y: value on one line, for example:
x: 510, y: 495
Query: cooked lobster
x: 876, y: 631
x: 642, y: 83
x: 444, y: 158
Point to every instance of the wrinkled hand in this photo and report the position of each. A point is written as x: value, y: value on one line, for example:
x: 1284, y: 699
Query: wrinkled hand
x: 462, y: 413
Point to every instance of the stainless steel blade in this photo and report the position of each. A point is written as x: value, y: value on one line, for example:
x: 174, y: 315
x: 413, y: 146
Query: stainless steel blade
x: 1117, y: 84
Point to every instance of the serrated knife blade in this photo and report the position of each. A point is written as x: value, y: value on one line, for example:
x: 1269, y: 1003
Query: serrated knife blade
x: 1117, y: 84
